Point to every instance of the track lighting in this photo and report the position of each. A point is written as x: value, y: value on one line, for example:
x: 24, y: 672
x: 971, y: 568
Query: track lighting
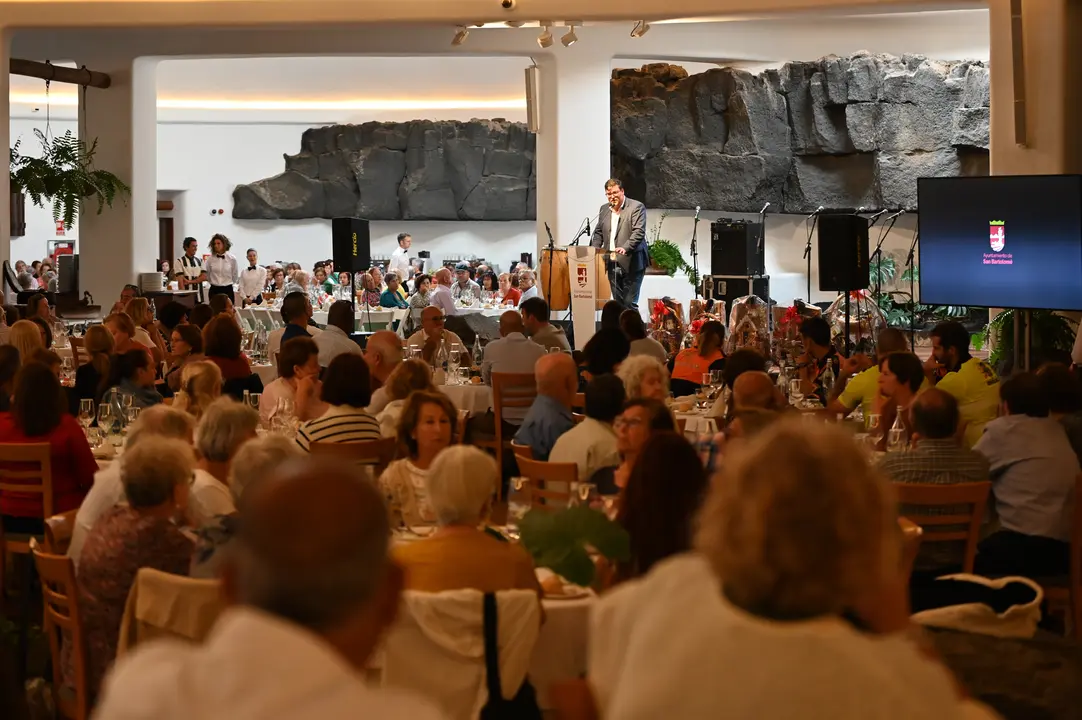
x: 460, y: 36
x: 641, y: 28
x: 570, y: 38
x: 545, y: 38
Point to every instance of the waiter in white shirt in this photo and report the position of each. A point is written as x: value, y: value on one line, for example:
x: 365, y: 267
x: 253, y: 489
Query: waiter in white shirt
x: 400, y: 260
x: 189, y: 270
x: 252, y: 281
x: 222, y: 271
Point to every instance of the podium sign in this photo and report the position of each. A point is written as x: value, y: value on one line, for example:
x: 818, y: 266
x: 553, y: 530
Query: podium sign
x: 583, y: 277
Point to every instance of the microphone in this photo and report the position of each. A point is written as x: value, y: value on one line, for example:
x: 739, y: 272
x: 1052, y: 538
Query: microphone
x: 763, y: 211
x: 817, y: 211
x: 875, y: 218
x: 549, y: 231
x: 860, y: 210
x: 587, y: 226
x: 697, y: 208
x: 895, y: 216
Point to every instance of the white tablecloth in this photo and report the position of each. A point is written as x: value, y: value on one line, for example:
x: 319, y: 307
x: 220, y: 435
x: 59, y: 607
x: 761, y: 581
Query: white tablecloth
x: 697, y: 423
x: 560, y: 653
x: 267, y: 373
x: 475, y: 398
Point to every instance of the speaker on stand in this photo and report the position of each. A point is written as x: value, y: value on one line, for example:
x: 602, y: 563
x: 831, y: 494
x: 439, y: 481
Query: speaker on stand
x: 351, y: 246
x: 843, y: 257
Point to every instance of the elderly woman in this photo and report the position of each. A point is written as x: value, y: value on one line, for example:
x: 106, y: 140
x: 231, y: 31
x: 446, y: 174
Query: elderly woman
x: 254, y: 461
x: 146, y: 330
x: 121, y: 327
x: 822, y: 611
x: 347, y: 391
x: 224, y: 427
x: 641, y: 418
x: 408, y: 377
x: 200, y: 385
x: 460, y: 554
x: 186, y: 345
x: 644, y: 376
x: 155, y: 475
x: 92, y: 376
x: 424, y: 431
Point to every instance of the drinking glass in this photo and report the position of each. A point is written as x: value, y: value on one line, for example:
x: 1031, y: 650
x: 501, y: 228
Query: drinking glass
x: 553, y: 350
x: 86, y: 413
x: 127, y: 400
x: 94, y: 437
x: 873, y: 424
x: 796, y: 393
x: 519, y: 502
x: 464, y: 375
x: 253, y: 400
x: 588, y: 494
x: 133, y: 414
x: 105, y: 416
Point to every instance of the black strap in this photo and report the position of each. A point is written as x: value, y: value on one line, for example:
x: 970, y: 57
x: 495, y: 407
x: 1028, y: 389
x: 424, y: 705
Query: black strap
x: 492, y: 648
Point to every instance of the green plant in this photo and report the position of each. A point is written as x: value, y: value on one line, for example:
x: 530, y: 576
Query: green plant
x: 64, y: 176
x: 1049, y: 331
x: 559, y: 540
x: 667, y: 256
x: 896, y: 304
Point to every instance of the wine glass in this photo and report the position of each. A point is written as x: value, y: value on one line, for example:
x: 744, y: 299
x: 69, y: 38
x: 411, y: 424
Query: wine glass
x: 253, y: 400
x: 588, y: 494
x: 796, y: 392
x: 519, y: 502
x: 105, y: 417
x: 133, y: 414
x: 86, y: 413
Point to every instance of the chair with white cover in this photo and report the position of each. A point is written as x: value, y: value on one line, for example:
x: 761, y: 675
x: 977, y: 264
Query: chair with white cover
x: 437, y: 647
x: 161, y: 604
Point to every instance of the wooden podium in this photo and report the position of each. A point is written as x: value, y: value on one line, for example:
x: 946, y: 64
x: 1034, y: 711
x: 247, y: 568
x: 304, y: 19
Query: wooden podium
x: 554, y: 268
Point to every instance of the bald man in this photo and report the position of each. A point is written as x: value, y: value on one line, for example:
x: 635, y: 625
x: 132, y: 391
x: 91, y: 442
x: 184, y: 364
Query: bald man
x: 754, y: 390
x: 441, y: 294
x: 310, y: 591
x: 550, y: 415
x: 382, y: 353
x: 432, y: 333
x: 512, y: 353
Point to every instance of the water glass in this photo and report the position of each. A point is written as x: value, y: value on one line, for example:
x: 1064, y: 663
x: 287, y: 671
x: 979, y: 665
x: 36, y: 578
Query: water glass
x: 873, y: 423
x: 463, y: 375
x: 796, y: 392
x: 86, y: 413
x: 253, y: 400
x: 133, y: 414
x: 94, y: 437
x: 105, y: 416
x: 519, y: 502
x: 588, y: 494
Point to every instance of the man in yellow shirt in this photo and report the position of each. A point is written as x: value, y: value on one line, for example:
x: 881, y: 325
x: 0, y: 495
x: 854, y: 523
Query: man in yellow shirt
x: 858, y: 381
x: 972, y: 382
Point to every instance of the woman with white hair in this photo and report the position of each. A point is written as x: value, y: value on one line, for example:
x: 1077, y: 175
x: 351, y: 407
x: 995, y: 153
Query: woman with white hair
x: 644, y: 377
x: 794, y: 606
x: 460, y: 554
x: 224, y: 427
x: 254, y: 461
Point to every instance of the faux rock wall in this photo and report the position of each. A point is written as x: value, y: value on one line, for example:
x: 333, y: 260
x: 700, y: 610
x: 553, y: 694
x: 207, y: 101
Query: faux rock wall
x: 836, y: 132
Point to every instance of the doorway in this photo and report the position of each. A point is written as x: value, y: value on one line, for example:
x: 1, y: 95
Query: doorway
x: 165, y: 241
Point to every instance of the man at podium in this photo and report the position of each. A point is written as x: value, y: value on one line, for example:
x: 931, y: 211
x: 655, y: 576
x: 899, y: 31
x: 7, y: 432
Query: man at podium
x: 621, y: 233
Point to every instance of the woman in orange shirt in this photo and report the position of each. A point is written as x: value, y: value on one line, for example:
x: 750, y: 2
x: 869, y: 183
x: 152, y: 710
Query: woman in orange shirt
x: 692, y: 363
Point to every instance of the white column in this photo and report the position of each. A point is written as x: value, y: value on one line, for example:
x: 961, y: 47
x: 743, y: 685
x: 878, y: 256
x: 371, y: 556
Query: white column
x: 123, y: 241
x: 5, y: 146
x: 573, y: 160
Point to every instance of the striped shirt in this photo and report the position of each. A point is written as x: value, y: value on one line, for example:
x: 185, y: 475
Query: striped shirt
x: 191, y: 268
x: 340, y: 424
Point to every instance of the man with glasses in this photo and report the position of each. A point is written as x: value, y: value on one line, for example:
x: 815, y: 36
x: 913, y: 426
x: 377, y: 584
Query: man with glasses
x: 432, y: 333
x: 440, y: 296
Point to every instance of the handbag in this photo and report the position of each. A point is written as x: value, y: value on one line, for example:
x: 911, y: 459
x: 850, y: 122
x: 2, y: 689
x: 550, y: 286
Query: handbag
x: 523, y: 706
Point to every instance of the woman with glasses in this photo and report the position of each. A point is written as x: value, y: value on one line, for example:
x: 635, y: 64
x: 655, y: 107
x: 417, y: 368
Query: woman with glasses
x: 641, y: 418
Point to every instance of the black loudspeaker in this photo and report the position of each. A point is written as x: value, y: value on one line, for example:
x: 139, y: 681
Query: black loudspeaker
x: 351, y: 243
x: 843, y: 252
x: 735, y: 248
x: 731, y: 287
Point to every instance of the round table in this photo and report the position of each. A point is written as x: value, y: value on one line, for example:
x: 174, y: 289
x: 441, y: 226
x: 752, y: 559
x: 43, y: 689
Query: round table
x: 697, y: 423
x: 477, y: 399
x: 561, y: 650
x: 267, y: 373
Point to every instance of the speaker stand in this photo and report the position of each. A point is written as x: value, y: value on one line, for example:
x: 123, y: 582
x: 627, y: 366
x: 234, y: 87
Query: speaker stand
x: 807, y: 252
x: 912, y: 294
x: 848, y: 348
x: 695, y: 253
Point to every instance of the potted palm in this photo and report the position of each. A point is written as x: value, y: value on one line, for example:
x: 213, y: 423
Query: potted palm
x: 64, y: 176
x: 665, y: 256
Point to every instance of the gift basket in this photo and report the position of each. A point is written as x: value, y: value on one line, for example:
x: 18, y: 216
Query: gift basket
x: 865, y: 322
x: 787, y: 324
x: 748, y: 326
x: 667, y: 324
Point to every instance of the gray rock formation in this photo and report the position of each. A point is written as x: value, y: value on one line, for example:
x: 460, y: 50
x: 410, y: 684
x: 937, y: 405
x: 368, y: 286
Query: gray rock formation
x: 836, y: 132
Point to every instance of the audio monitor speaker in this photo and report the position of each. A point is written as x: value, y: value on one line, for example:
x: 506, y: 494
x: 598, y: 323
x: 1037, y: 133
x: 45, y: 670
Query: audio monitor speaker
x: 732, y: 287
x: 351, y: 244
x: 843, y: 252
x: 735, y: 248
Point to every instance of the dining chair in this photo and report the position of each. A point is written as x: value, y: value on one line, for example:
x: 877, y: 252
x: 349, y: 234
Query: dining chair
x: 949, y: 499
x: 63, y: 623
x: 460, y: 426
x: 521, y: 451
x: 58, y: 532
x: 911, y: 537
x: 550, y: 483
x: 579, y: 402
x: 79, y: 355
x: 509, y: 390
x: 577, y: 417
x: 377, y: 453
x: 1065, y: 592
x: 161, y: 604
x: 26, y: 468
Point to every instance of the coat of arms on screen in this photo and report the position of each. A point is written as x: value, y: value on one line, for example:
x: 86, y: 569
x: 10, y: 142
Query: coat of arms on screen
x: 581, y: 274
x: 997, y: 232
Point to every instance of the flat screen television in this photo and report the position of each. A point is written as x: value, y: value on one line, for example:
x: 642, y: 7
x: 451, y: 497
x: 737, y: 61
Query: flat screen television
x: 1009, y: 241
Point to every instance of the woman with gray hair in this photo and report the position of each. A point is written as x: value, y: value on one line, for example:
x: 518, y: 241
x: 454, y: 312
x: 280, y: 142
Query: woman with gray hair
x: 155, y: 474
x: 798, y: 568
x: 460, y: 486
x: 644, y: 376
x: 254, y: 461
x: 225, y: 426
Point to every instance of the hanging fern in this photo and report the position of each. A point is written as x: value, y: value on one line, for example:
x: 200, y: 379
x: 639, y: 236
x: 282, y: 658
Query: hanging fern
x: 65, y: 176
x: 667, y: 256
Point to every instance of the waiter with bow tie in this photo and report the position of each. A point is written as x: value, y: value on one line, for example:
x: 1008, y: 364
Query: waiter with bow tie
x: 621, y: 234
x: 252, y: 281
x: 221, y: 266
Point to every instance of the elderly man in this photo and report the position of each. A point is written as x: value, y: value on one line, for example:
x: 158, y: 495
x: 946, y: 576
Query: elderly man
x: 754, y: 390
x: 535, y: 318
x: 108, y: 491
x: 224, y: 427
x: 591, y: 444
x: 441, y: 294
x: 463, y: 283
x: 432, y: 333
x: 383, y: 353
x: 311, y: 591
x: 526, y: 283
x: 513, y: 352
x: 335, y: 339
x: 296, y: 312
x: 550, y: 415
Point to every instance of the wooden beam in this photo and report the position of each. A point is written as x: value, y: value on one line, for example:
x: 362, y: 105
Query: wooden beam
x: 55, y: 73
x: 165, y: 206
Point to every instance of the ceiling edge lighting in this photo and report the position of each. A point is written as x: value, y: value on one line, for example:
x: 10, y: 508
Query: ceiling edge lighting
x: 641, y: 28
x: 66, y: 100
x: 460, y: 36
x: 544, y: 40
x: 570, y: 38
x: 514, y: 23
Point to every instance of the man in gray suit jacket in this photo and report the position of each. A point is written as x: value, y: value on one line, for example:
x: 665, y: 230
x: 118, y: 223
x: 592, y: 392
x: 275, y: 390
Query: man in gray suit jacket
x: 621, y: 229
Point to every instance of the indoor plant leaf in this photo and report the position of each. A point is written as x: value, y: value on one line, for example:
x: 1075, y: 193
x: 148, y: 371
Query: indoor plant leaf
x: 559, y: 540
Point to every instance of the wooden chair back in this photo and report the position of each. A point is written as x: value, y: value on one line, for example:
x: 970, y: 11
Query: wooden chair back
x: 460, y: 426
x: 378, y: 453
x: 79, y: 355
x: 579, y: 403
x: 550, y: 483
x: 63, y: 623
x: 577, y: 417
x: 920, y: 495
x: 510, y: 390
x: 26, y: 468
x: 1068, y: 595
x: 911, y: 537
x: 522, y: 451
x: 58, y: 532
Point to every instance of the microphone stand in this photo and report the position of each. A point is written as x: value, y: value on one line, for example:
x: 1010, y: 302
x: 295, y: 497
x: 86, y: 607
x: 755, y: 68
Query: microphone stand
x: 912, y: 293
x: 695, y: 254
x: 552, y: 252
x: 807, y: 251
x: 877, y: 256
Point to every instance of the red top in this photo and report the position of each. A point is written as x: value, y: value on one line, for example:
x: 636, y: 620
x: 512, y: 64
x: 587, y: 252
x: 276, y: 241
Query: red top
x: 233, y: 369
x: 513, y: 295
x: 73, y: 467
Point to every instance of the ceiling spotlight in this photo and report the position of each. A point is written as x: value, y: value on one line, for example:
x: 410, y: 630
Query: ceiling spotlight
x: 545, y: 38
x: 460, y: 36
x: 569, y: 38
x: 641, y: 28
x: 514, y: 23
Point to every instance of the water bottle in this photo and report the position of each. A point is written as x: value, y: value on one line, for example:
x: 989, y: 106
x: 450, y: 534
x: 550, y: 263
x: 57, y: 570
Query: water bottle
x: 440, y: 358
x: 896, y: 435
x: 478, y: 352
x: 783, y: 382
x: 828, y: 379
